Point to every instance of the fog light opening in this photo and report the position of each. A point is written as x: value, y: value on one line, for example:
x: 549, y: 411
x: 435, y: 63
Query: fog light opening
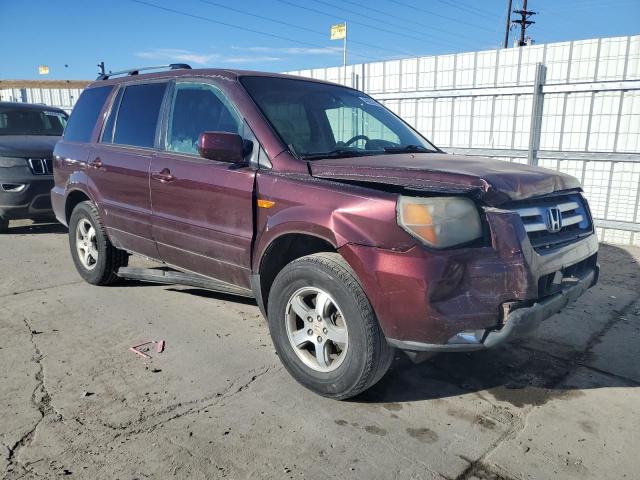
x: 468, y: 337
x: 12, y: 187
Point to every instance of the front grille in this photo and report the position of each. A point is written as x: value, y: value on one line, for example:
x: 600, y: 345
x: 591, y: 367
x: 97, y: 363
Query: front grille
x: 554, y: 221
x: 41, y: 166
x: 546, y: 284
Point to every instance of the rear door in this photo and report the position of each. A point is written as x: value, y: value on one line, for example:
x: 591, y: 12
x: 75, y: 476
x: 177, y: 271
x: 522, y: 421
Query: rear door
x: 202, y: 209
x: 71, y: 153
x: 118, y: 167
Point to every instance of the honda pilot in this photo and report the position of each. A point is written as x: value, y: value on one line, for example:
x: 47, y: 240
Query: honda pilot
x: 356, y: 235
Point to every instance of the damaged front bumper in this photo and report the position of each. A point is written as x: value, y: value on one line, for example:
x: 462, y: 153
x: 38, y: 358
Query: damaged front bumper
x: 517, y: 322
x: 472, y: 298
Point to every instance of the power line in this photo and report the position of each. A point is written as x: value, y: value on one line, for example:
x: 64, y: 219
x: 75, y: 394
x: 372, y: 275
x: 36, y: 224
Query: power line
x: 230, y: 25
x: 586, y: 4
x: 386, y: 21
x: 356, y: 22
x: 468, y: 8
x: 317, y: 32
x: 405, y: 19
x: 457, y: 20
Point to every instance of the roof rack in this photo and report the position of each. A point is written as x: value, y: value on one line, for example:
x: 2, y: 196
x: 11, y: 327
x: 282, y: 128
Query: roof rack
x: 136, y: 71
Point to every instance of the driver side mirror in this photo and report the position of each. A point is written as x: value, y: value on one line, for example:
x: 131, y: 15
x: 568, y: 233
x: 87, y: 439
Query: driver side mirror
x: 221, y: 147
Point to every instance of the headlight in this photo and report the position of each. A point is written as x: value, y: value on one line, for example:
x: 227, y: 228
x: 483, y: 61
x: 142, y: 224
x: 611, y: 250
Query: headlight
x: 440, y: 222
x: 9, y: 162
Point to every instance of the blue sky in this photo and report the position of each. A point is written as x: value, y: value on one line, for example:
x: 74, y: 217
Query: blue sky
x: 276, y: 35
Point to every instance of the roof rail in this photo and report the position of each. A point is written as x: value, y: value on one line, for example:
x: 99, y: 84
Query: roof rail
x: 136, y: 71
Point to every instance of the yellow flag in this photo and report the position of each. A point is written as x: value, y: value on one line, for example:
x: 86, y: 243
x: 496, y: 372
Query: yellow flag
x: 338, y: 31
x: 43, y: 70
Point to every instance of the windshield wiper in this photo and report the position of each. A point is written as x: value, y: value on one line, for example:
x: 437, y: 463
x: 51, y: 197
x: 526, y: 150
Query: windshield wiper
x: 406, y: 149
x: 337, y: 153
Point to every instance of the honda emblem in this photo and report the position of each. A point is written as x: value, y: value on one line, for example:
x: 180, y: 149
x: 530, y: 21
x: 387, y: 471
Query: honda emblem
x: 553, y: 220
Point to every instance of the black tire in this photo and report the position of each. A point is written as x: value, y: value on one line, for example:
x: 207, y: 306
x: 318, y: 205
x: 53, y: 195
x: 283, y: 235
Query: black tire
x: 368, y: 355
x: 4, y: 225
x: 109, y: 260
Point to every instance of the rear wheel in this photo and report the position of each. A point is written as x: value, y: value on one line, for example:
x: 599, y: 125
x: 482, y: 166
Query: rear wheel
x: 324, y: 328
x: 95, y: 258
x: 4, y: 224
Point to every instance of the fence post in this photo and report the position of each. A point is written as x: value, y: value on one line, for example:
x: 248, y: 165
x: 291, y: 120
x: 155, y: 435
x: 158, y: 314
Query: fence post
x: 536, y: 114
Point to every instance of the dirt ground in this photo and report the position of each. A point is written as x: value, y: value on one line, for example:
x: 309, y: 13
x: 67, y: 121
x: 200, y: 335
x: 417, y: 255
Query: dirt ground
x: 75, y: 402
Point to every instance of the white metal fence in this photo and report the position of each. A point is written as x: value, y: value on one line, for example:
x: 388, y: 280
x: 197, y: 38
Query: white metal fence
x: 63, y: 98
x: 570, y: 106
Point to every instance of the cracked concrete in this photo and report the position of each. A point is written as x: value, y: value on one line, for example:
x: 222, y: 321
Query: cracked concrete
x: 563, y: 403
x: 40, y: 399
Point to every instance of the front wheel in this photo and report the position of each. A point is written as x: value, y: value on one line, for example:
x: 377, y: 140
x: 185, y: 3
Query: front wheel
x: 324, y: 328
x: 96, y: 259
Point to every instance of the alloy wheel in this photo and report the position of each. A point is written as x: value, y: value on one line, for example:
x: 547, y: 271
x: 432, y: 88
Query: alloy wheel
x: 316, y: 329
x: 86, y: 245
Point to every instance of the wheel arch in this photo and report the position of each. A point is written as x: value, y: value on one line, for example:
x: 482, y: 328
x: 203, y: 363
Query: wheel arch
x: 280, y: 251
x: 74, y: 197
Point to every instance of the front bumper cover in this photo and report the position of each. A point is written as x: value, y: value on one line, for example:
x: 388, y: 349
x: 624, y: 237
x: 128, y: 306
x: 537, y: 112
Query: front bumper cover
x: 428, y: 297
x: 516, y: 324
x: 31, y: 200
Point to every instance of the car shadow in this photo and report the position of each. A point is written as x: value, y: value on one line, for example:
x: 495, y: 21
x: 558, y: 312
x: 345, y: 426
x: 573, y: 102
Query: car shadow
x: 532, y: 370
x: 36, y: 229
x: 201, y: 292
x: 128, y: 283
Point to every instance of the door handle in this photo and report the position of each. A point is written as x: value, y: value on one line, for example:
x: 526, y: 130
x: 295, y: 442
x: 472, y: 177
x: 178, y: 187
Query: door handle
x: 97, y: 163
x: 164, y: 175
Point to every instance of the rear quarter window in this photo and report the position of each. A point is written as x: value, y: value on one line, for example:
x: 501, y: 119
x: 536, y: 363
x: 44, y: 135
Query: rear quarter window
x: 85, y: 114
x: 137, y: 116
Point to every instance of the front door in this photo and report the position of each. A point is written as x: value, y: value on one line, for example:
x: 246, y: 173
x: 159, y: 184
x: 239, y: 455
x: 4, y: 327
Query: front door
x: 118, y: 166
x: 202, y: 209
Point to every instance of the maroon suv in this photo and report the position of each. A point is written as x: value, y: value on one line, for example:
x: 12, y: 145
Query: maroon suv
x: 354, y: 234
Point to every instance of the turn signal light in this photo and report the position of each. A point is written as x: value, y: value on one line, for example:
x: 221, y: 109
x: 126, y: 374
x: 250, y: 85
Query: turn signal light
x: 265, y: 203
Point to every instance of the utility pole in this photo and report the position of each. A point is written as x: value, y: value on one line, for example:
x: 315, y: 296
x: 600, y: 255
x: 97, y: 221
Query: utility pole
x: 101, y: 67
x: 506, y: 32
x: 524, y: 21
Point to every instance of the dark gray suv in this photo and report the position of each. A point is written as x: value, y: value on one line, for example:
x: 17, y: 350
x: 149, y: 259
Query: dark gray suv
x: 28, y: 134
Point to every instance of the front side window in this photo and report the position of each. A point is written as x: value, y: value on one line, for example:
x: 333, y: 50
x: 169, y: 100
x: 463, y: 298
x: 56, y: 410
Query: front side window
x: 319, y: 120
x: 137, y: 118
x: 198, y: 108
x: 85, y: 114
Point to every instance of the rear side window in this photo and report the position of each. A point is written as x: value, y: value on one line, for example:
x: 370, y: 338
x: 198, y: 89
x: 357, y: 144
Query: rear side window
x: 85, y: 114
x: 137, y: 116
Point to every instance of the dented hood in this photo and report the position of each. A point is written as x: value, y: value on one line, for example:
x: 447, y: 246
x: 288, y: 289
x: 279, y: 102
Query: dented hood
x: 494, y: 181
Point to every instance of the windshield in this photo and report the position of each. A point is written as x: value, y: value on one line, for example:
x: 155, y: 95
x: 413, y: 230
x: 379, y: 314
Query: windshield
x: 26, y: 121
x: 318, y: 120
